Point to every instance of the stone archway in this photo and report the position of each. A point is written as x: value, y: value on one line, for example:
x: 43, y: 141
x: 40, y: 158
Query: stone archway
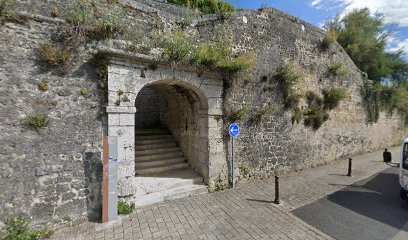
x: 195, y: 117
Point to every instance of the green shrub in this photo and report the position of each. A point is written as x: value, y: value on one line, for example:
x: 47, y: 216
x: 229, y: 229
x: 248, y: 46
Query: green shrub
x: 94, y: 22
x: 53, y: 54
x: 265, y: 111
x: 124, y: 208
x: 288, y: 75
x: 107, y: 23
x: 36, y: 121
x: 219, y: 184
x: 297, y: 115
x: 292, y: 100
x: 313, y: 99
x: 209, y: 55
x: 206, y: 6
x: 177, y: 47
x: 315, y: 116
x: 238, y: 64
x: 218, y: 56
x: 17, y: 229
x: 243, y: 170
x: 42, y: 86
x: 240, y: 114
x: 84, y: 91
x: 329, y: 39
x: 333, y: 97
x: 7, y: 11
x: 336, y: 69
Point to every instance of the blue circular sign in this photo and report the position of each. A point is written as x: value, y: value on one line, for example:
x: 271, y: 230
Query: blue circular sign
x: 234, y: 130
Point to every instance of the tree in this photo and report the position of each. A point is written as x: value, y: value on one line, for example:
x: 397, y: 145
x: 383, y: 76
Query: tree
x: 364, y: 39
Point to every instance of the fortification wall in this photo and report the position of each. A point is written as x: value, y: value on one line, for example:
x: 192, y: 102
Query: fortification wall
x: 56, y: 173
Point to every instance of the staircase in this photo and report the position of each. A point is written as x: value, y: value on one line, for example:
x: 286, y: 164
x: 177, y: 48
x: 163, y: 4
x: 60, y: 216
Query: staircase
x: 157, y: 151
x: 162, y: 170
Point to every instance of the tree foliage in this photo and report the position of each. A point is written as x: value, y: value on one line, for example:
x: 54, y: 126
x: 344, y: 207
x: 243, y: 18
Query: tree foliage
x: 206, y: 6
x: 364, y: 39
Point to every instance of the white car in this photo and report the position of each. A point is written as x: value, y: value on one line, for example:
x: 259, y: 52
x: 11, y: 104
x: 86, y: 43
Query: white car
x: 403, y: 174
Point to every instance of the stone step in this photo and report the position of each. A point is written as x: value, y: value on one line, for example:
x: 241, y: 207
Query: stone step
x: 167, y: 180
x: 159, y: 156
x: 146, y: 152
x: 154, y: 137
x: 156, y: 145
x: 160, y: 168
x: 153, y: 163
x: 174, y: 193
x: 149, y: 132
x: 154, y: 141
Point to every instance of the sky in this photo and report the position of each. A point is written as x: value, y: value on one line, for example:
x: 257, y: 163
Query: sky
x: 394, y: 12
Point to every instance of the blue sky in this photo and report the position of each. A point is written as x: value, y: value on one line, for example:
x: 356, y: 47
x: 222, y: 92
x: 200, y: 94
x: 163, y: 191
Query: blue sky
x: 395, y: 13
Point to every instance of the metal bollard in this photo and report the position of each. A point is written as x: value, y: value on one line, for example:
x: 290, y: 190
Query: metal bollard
x: 349, y: 168
x: 276, y: 201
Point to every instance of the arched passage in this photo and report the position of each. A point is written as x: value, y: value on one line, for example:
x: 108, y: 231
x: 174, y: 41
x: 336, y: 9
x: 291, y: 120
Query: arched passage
x: 182, y: 110
x: 188, y: 105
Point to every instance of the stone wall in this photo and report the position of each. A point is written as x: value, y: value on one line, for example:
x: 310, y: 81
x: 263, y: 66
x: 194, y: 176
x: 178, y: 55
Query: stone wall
x: 279, y: 39
x: 54, y: 173
x: 148, y: 105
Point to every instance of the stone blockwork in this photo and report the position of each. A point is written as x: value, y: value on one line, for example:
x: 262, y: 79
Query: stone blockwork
x: 56, y: 173
x: 148, y: 104
x: 279, y: 39
x: 193, y: 114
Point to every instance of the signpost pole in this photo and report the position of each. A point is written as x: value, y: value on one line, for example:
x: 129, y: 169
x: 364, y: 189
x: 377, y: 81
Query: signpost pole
x: 232, y: 164
x: 234, y: 132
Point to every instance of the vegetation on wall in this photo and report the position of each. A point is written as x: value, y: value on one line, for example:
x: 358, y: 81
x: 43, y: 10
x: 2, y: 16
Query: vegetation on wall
x: 36, y: 121
x: 206, y: 6
x: 379, y: 97
x: 17, y: 229
x: 178, y: 48
x: 288, y: 75
x: 86, y: 20
x: 42, y: 86
x: 269, y: 110
x: 329, y: 39
x: 338, y: 69
x: 7, y: 11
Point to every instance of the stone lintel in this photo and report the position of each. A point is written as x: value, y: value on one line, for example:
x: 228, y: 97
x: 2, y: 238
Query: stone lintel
x: 121, y: 110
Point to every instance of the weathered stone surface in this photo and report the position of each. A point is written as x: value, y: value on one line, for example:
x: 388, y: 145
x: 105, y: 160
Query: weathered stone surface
x: 57, y: 171
x: 38, y: 167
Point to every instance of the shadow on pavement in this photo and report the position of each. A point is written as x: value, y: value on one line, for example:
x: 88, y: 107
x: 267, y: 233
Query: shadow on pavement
x: 369, y: 209
x: 257, y: 200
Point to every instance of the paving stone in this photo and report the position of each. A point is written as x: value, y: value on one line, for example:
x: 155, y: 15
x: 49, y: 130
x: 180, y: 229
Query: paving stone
x: 243, y: 213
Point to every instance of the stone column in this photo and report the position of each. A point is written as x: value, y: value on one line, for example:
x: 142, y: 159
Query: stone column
x: 121, y: 123
x: 217, y: 166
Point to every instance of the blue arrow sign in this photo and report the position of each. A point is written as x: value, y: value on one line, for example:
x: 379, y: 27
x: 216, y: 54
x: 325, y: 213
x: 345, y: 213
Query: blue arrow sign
x: 234, y: 130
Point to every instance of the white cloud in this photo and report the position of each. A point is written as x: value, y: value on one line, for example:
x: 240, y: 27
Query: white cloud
x: 394, y: 11
x: 316, y: 2
x: 397, y: 44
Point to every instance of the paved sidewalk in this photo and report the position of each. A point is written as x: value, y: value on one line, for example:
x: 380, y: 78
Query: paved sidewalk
x: 243, y: 213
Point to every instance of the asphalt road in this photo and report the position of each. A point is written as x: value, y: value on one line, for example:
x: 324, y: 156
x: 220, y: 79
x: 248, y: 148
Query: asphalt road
x: 370, y: 209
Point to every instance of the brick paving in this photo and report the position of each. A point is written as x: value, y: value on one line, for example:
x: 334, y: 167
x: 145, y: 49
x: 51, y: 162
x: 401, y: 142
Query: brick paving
x: 243, y: 213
